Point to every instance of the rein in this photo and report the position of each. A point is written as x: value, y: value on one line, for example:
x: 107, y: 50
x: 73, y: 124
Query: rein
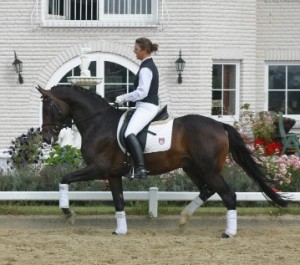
x: 116, y: 106
x: 88, y: 117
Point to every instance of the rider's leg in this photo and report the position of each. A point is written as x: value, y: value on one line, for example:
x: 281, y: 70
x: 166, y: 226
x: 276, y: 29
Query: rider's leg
x: 143, y: 115
x: 137, y: 155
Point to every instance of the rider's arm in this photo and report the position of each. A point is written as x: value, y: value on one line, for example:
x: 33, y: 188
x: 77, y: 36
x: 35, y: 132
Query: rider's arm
x: 145, y: 78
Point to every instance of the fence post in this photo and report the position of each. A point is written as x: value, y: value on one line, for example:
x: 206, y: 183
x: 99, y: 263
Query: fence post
x: 153, y: 201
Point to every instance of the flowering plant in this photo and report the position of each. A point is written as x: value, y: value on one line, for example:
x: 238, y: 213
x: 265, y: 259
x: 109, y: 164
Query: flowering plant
x: 256, y: 125
x: 270, y: 148
x: 263, y: 126
x: 26, y: 149
x: 283, y: 170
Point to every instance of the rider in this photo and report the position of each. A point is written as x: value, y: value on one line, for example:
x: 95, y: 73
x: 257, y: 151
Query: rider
x: 147, y: 103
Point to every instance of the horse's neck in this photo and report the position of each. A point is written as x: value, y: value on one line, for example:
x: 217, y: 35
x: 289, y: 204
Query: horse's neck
x: 84, y: 108
x: 98, y: 118
x: 87, y: 110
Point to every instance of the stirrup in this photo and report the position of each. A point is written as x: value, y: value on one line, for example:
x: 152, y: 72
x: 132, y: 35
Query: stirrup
x: 130, y: 174
x: 140, y: 173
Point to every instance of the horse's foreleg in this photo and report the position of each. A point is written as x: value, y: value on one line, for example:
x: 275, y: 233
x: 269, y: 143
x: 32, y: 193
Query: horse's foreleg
x: 191, y: 208
x: 117, y: 194
x: 64, y: 203
x: 121, y: 228
x: 86, y: 173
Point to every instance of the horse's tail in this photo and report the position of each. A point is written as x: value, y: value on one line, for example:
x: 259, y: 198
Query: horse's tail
x: 244, y: 158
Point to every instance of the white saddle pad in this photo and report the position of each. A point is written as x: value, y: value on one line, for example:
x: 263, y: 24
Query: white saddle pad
x: 159, y: 142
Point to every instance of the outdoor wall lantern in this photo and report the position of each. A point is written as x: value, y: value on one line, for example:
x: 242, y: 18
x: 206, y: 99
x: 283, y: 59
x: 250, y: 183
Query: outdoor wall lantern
x: 18, y: 64
x: 179, y: 67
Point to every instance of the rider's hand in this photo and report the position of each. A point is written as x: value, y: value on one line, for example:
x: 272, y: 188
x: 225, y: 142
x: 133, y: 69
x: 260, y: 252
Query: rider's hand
x: 119, y: 100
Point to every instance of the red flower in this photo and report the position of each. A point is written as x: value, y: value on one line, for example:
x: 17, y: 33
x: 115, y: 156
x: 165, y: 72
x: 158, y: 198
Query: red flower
x: 271, y: 148
x: 259, y: 141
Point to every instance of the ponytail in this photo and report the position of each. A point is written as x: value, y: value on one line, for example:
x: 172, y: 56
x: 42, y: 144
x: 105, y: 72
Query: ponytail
x: 146, y: 45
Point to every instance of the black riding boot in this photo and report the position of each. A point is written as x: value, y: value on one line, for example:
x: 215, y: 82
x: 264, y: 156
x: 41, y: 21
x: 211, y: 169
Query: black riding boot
x: 137, y: 155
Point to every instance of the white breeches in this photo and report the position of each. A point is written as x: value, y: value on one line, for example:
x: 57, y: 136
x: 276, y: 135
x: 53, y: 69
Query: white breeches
x: 143, y: 114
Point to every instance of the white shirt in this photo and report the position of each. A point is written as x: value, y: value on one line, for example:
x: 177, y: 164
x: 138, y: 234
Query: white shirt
x: 145, y: 78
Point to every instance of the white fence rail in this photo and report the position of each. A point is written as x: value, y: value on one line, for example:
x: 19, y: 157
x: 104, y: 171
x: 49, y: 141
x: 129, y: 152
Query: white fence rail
x: 153, y: 196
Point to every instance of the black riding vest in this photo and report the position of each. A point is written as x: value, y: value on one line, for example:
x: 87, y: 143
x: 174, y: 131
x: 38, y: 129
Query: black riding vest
x: 152, y: 96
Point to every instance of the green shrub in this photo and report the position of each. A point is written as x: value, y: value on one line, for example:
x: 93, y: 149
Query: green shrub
x: 61, y: 155
x: 238, y: 180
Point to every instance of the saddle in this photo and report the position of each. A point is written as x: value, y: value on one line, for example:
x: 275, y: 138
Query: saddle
x: 142, y: 136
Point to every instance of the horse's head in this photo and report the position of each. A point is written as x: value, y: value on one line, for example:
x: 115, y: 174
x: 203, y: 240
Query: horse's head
x: 55, y: 113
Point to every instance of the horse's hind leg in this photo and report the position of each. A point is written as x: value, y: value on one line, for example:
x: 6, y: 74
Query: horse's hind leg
x: 229, y: 198
x: 205, y: 193
x: 189, y: 210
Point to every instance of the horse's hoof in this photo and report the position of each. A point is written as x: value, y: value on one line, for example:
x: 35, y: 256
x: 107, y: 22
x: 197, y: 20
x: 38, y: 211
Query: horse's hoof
x: 117, y: 234
x: 181, y: 228
x: 184, y: 218
x: 70, y: 218
x: 224, y: 235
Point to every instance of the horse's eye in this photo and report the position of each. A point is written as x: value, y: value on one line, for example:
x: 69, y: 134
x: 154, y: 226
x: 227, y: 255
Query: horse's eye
x: 55, y: 129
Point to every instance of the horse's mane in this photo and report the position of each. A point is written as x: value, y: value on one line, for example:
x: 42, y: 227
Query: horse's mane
x: 79, y: 90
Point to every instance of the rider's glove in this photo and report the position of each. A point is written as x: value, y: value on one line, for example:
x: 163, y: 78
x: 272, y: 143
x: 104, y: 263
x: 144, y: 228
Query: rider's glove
x: 120, y: 100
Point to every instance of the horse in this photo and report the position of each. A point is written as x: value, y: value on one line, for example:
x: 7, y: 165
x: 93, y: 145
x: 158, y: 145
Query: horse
x: 199, y: 146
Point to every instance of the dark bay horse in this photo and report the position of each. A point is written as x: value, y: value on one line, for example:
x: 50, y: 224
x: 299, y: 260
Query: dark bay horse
x: 199, y: 146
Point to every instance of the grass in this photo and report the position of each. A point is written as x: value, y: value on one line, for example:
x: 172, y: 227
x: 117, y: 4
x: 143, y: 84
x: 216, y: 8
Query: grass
x: 142, y: 209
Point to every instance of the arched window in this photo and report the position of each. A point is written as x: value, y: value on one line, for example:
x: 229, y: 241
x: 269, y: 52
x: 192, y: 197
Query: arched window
x: 117, y: 74
x: 117, y: 78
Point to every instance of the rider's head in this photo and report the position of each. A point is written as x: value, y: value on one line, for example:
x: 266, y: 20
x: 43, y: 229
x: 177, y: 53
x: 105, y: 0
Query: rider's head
x: 144, y: 47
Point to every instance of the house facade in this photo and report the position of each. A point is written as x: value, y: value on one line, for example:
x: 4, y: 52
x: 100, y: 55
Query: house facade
x: 235, y: 51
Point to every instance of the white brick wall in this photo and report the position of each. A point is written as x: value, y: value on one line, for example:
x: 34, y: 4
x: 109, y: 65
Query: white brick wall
x: 278, y: 38
x: 204, y: 30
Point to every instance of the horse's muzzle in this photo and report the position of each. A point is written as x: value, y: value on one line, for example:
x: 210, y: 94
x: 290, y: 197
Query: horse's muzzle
x: 50, y: 138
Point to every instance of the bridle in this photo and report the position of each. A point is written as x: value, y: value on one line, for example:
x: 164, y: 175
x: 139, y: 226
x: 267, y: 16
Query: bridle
x: 55, y: 126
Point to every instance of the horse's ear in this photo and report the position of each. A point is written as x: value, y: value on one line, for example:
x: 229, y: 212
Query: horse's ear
x: 42, y: 91
x: 38, y: 88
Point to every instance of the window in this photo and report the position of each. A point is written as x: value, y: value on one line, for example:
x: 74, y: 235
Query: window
x: 284, y: 88
x: 115, y: 7
x: 95, y: 13
x: 225, y: 85
x: 117, y: 79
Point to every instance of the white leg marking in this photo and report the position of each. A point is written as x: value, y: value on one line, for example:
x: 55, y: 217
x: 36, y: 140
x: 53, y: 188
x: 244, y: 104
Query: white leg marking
x: 231, y: 223
x: 121, y: 223
x: 63, y: 196
x: 189, y: 210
